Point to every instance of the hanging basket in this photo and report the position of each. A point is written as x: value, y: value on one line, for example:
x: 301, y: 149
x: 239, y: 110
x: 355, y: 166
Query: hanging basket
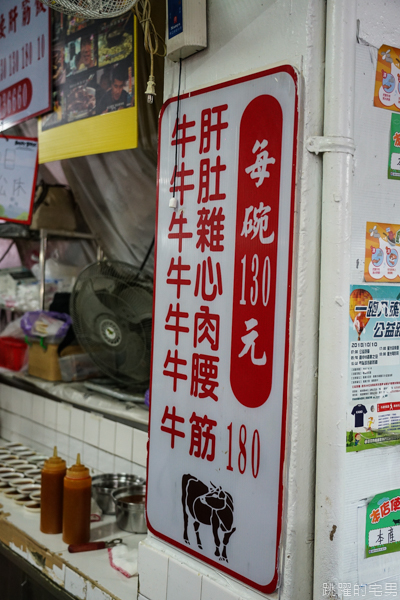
x: 91, y: 9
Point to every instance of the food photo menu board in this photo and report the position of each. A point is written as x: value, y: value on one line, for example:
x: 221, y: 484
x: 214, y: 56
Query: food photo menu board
x: 93, y: 75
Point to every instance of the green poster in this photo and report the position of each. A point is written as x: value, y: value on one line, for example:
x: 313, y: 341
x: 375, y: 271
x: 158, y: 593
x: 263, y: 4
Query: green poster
x: 382, y: 531
x: 394, y: 150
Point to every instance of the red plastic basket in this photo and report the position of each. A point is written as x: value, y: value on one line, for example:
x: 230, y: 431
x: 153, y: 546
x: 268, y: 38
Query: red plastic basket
x: 12, y: 353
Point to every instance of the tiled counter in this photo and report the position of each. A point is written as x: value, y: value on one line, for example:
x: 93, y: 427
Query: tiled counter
x: 106, y: 446
x: 86, y: 575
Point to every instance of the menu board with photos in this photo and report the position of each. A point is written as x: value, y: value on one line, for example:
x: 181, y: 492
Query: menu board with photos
x: 92, y: 67
x: 93, y: 75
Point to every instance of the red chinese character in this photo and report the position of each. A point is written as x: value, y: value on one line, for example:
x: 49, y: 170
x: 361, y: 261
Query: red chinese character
x: 205, y: 271
x: 207, y: 127
x: 12, y: 20
x: 26, y: 12
x: 184, y: 138
x: 177, y: 315
x: 209, y: 229
x: 206, y: 327
x: 204, y: 180
x: 202, y: 440
x: 173, y: 417
x: 178, y: 222
x: 182, y: 187
x: 174, y: 373
x: 204, y: 375
x: 395, y: 504
x: 385, y: 509
x: 2, y: 27
x: 179, y: 281
x: 39, y: 7
x: 375, y: 516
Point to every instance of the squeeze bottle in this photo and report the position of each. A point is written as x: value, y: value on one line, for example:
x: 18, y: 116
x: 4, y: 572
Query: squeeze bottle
x: 77, y: 503
x: 51, y: 510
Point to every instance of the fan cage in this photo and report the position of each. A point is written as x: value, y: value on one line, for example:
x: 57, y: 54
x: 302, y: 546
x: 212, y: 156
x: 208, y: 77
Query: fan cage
x: 91, y: 9
x: 115, y: 284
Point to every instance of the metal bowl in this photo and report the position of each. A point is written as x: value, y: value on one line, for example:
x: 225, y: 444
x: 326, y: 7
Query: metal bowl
x: 103, y: 485
x: 130, y: 508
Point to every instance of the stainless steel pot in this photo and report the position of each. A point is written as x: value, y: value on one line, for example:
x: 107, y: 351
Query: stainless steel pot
x: 103, y: 485
x: 130, y: 508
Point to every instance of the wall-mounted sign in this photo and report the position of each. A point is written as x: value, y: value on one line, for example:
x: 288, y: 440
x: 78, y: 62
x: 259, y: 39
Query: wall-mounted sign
x: 387, y: 78
x: 394, y: 150
x: 25, y: 68
x: 373, y: 415
x: 18, y: 172
x: 221, y: 323
x: 382, y: 248
x: 94, y: 108
x: 382, y: 531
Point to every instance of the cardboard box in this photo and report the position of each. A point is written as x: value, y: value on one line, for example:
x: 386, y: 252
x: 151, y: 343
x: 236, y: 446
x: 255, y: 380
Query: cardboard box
x: 43, y: 363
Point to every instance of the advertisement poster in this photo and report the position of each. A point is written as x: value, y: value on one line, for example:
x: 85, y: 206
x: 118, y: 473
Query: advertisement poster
x: 221, y: 323
x: 93, y: 87
x: 394, y: 149
x: 373, y: 416
x: 382, y: 248
x: 387, y: 81
x: 25, y: 62
x: 382, y: 531
x: 18, y: 171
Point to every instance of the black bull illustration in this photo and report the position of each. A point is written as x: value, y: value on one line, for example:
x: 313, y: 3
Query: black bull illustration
x: 208, y: 506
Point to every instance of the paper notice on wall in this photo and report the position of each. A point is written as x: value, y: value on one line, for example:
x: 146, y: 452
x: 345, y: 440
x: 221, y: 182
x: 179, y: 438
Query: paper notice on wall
x: 394, y: 148
x: 373, y: 416
x: 387, y: 82
x: 18, y: 171
x: 382, y: 530
x: 382, y: 249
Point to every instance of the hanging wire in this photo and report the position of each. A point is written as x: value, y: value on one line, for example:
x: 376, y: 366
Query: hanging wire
x: 152, y: 42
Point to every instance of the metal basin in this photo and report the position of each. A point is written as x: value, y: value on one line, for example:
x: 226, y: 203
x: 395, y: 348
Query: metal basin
x: 130, y: 508
x: 103, y: 485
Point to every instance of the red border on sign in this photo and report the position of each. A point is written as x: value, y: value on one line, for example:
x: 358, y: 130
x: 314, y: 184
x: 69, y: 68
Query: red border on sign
x: 50, y: 97
x: 25, y: 139
x: 272, y: 585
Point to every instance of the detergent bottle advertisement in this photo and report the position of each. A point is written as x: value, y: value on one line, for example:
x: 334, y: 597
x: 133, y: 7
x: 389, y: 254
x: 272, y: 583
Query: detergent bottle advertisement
x: 387, y: 78
x: 382, y: 247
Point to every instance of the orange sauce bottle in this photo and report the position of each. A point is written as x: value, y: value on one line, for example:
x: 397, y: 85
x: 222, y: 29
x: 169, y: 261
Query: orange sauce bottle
x: 77, y: 504
x: 51, y: 510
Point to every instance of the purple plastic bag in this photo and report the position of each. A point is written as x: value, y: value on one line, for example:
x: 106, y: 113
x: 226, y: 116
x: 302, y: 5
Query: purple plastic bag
x: 29, y: 320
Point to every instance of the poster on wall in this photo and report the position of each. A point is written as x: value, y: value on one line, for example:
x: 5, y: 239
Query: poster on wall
x: 221, y: 322
x: 394, y: 149
x: 25, y: 64
x: 373, y: 415
x: 382, y: 249
x: 387, y: 79
x: 18, y: 173
x: 94, y: 108
x: 382, y: 531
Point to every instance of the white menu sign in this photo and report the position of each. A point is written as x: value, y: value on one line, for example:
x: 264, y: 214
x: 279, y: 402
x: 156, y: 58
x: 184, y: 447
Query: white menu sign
x: 18, y: 174
x: 25, y: 66
x: 221, y: 323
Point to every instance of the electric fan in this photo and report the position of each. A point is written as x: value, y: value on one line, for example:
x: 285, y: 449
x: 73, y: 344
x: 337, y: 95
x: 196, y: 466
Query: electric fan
x: 91, y: 9
x: 111, y: 310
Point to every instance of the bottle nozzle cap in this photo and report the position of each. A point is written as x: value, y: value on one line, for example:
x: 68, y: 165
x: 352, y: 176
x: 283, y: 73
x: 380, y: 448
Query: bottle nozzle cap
x: 78, y: 470
x: 55, y: 461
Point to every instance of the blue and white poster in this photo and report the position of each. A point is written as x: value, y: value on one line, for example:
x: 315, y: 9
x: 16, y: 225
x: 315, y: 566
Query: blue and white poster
x: 373, y: 416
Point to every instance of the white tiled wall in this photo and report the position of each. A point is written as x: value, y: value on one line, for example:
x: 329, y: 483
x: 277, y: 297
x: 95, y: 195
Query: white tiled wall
x: 105, y: 446
x: 173, y: 576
